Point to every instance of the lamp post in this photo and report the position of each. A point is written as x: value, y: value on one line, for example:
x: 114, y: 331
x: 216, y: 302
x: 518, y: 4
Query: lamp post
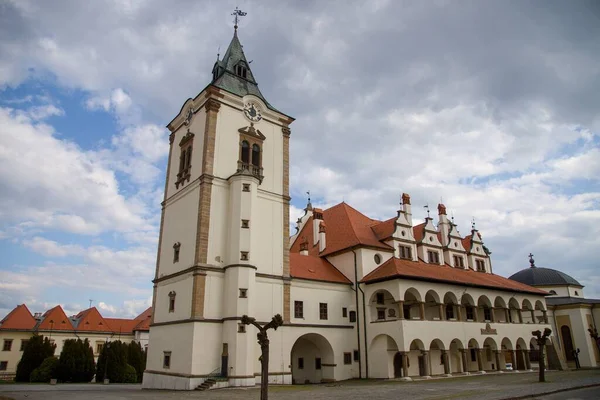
x: 263, y: 340
x: 541, y: 340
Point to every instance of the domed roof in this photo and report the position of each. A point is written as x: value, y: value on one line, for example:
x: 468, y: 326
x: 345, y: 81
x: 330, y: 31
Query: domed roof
x: 535, y: 276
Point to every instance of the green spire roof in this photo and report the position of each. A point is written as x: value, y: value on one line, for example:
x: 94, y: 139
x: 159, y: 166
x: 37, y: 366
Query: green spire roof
x: 228, y: 75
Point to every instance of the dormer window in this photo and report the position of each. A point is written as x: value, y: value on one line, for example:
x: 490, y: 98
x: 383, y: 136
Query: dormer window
x: 434, y: 257
x: 241, y: 70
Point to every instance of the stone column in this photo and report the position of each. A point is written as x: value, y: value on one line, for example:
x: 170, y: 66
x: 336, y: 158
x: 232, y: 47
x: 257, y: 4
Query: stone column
x: 492, y: 315
x: 441, y: 311
x: 401, y: 306
x: 533, y: 316
x: 463, y: 353
x: 498, y: 365
x: 426, y: 363
x: 422, y: 310
x: 480, y: 359
x: 507, y: 314
x: 404, y: 364
x: 475, y: 313
x: 545, y: 314
x: 446, y: 362
x: 459, y: 312
x: 527, y: 360
x: 513, y: 356
x: 520, y: 316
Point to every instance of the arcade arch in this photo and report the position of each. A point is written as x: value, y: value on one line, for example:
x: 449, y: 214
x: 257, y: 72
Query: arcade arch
x: 312, y: 359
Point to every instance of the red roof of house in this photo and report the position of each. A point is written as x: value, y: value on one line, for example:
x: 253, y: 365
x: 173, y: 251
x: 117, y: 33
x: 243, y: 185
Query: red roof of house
x: 400, y: 268
x: 144, y: 320
x: 121, y: 325
x: 418, y: 231
x: 385, y: 229
x: 346, y: 227
x: 314, y: 268
x: 90, y: 320
x: 55, y: 319
x: 466, y: 242
x: 19, y: 318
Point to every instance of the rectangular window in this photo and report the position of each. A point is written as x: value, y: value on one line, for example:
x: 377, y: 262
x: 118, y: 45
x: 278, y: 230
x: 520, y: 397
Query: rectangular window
x: 344, y: 312
x: 3, y: 365
x: 434, y: 257
x: 449, y: 311
x: 347, y: 358
x: 380, y: 298
x: 487, y: 314
x: 317, y: 363
x: 380, y: 313
x: 243, y: 293
x: 241, y: 328
x: 245, y: 223
x: 405, y: 252
x: 300, y: 363
x: 7, y: 345
x: 356, y: 355
x: 171, y: 302
x: 298, y: 309
x: 23, y: 344
x: 480, y: 264
x: 470, y: 313
x: 245, y: 187
x: 406, y: 311
x: 352, y: 316
x: 99, y: 347
x: 243, y: 256
x: 176, y: 249
x: 473, y: 354
x: 166, y: 359
x: 459, y: 262
x: 322, y: 310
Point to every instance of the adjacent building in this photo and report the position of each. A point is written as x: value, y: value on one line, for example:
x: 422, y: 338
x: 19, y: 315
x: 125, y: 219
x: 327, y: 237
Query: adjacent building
x: 20, y: 324
x: 360, y: 298
x: 570, y: 313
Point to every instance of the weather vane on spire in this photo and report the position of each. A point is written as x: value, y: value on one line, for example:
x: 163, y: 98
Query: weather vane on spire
x: 237, y: 13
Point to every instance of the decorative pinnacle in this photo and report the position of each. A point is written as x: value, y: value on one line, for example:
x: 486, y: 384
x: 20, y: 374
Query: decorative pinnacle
x: 473, y: 224
x: 237, y: 13
x: 426, y: 206
x: 531, y: 261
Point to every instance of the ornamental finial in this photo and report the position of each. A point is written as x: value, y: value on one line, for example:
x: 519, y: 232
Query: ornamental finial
x: 531, y: 261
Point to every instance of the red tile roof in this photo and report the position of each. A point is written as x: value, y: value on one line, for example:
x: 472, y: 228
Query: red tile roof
x: 466, y: 242
x: 385, y: 229
x: 144, y: 320
x: 19, y: 318
x: 418, y: 231
x: 399, y: 268
x: 121, y: 325
x: 346, y: 228
x: 315, y: 268
x: 55, y: 319
x: 90, y: 320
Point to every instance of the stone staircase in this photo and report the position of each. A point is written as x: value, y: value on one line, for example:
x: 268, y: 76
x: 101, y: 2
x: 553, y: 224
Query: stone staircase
x: 207, y: 384
x: 219, y: 381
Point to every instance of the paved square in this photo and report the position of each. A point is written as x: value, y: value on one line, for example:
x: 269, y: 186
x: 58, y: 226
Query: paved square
x: 490, y: 387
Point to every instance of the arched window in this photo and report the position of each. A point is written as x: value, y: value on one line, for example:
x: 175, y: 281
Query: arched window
x: 553, y: 292
x: 245, y: 152
x: 449, y: 311
x: 256, y: 155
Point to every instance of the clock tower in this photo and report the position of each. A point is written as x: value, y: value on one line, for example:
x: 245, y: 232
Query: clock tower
x: 223, y: 247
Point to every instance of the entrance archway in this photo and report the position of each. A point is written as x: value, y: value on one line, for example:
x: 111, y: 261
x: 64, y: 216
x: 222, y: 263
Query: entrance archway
x: 383, y: 363
x: 565, y: 333
x: 312, y: 359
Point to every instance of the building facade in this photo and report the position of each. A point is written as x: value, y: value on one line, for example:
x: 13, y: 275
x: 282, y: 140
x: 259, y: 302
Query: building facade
x: 570, y: 313
x: 360, y: 298
x: 19, y: 325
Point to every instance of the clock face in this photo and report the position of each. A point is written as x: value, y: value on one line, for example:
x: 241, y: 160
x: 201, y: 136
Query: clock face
x: 252, y: 112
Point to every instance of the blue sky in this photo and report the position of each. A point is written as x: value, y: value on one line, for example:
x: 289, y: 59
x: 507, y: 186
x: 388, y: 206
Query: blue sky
x: 491, y: 107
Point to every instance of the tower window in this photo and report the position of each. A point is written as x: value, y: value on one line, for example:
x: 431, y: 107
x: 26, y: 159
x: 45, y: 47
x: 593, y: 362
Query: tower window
x: 256, y: 155
x: 243, y: 255
x: 241, y: 70
x: 245, y: 187
x: 243, y: 293
x: 344, y: 312
x: 176, y: 248
x: 166, y: 359
x: 185, y: 159
x: 241, y: 328
x: 245, y: 152
x: 172, y: 301
x: 245, y: 223
x: 352, y: 316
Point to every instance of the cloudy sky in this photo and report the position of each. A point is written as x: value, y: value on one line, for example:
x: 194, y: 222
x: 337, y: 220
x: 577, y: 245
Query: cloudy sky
x: 492, y: 106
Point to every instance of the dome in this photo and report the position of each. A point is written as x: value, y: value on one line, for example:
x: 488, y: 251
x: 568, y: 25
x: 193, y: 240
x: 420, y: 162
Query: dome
x: 543, y: 277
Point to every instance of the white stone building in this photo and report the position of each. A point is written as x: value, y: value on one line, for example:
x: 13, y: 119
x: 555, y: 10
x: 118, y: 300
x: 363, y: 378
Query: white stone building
x: 569, y: 312
x: 359, y: 297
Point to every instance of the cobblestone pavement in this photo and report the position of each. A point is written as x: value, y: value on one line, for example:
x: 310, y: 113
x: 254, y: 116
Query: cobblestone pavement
x: 490, y: 387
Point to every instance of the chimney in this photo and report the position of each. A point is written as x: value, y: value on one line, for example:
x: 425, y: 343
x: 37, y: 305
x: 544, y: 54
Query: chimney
x: 406, y: 207
x: 317, y: 218
x: 304, y: 246
x: 443, y: 224
x: 322, y: 240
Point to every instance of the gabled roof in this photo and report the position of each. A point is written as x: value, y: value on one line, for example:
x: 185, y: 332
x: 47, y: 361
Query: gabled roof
x: 121, y: 325
x: 346, y: 228
x: 19, y: 318
x: 315, y: 268
x: 55, y: 319
x: 418, y: 232
x: 466, y: 242
x: 144, y: 320
x: 90, y: 320
x: 400, y: 268
x: 385, y: 229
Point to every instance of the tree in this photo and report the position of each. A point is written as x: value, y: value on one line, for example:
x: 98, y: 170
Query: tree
x: 263, y: 340
x: 76, y: 362
x: 36, y: 351
x: 46, y: 371
x: 112, y: 363
x: 136, y: 359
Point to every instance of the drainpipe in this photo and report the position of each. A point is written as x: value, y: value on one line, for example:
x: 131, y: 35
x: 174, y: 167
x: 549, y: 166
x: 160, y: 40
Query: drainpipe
x: 364, y: 320
x: 357, y: 317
